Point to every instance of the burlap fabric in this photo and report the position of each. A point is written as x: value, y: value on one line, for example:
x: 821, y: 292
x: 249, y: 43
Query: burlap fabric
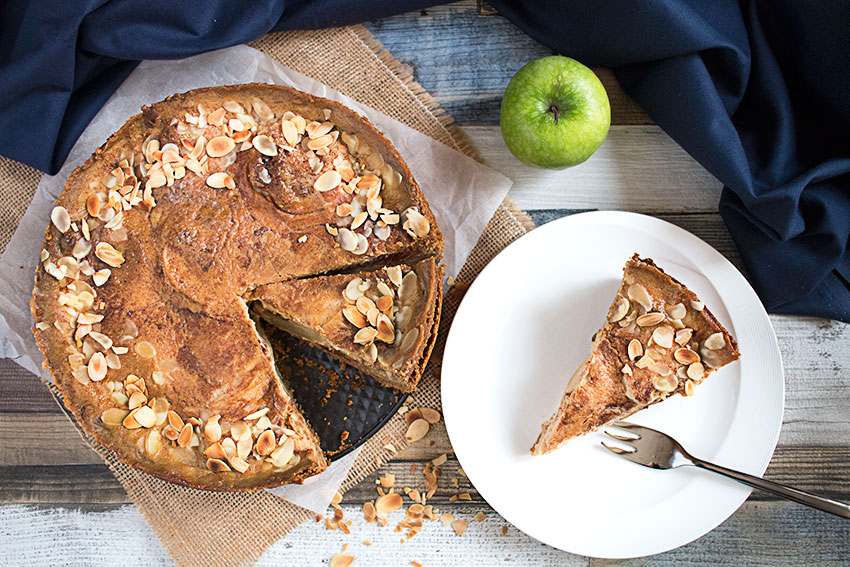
x: 207, y: 528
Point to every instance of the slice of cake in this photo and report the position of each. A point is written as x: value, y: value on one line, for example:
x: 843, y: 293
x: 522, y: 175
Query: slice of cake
x: 382, y: 322
x: 659, y: 339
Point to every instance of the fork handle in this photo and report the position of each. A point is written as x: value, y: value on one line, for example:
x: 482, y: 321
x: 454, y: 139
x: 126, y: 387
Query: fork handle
x: 800, y: 496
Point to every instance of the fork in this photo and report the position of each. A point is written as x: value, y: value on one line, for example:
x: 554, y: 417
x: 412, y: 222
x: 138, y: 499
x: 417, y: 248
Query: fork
x: 657, y: 450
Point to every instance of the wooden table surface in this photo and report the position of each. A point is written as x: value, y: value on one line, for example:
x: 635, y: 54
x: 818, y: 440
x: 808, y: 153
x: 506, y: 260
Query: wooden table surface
x: 59, y: 503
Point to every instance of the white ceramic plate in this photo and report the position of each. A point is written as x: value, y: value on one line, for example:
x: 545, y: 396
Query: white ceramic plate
x: 523, y: 327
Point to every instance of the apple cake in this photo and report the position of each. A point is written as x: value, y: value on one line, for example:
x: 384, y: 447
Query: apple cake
x: 659, y: 339
x: 198, y: 206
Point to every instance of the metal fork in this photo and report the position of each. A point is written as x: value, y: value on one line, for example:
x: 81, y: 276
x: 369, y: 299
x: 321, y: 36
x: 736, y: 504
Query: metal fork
x: 657, y: 450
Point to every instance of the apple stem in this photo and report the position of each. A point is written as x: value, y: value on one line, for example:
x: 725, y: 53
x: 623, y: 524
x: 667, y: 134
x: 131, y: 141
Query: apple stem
x: 554, y: 110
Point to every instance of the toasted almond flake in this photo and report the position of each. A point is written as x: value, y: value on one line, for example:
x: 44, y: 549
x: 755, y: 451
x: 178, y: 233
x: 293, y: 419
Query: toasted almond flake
x: 440, y: 461
x: 321, y: 142
x: 459, y: 526
x: 217, y: 465
x: 264, y: 145
x: 619, y: 310
x: 108, y: 254
x: 696, y: 371
x: 667, y: 383
x: 650, y: 319
x: 214, y: 451
x: 332, y: 230
x: 212, y: 429
x: 388, y: 503
x: 144, y: 349
x: 352, y: 290
x: 343, y: 209
x: 153, y: 442
x: 221, y: 180
x: 364, y: 304
x: 137, y: 400
x: 663, y: 336
x: 184, y: 438
x: 359, y: 219
x: 220, y: 146
x: 480, y: 517
x: 432, y: 416
x: 175, y: 420
x: 354, y: 316
x: 697, y: 305
x: 686, y: 356
x: 365, y: 335
x: 327, y: 181
x: 394, y: 273
x: 101, y: 276
x: 384, y: 303
x: 290, y: 132
x: 387, y: 481
x: 266, y: 442
x: 676, y: 311
x: 113, y: 417
x: 417, y: 430
x: 89, y: 318
x: 97, y: 367
x: 216, y: 117
x: 60, y: 218
x: 101, y: 339
x: 683, y: 336
x: 446, y: 519
x: 638, y: 293
x: 715, y: 341
x: 635, y: 349
x: 282, y: 455
x: 145, y: 416
x: 239, y: 464
x: 341, y: 560
x: 93, y: 205
x: 262, y: 110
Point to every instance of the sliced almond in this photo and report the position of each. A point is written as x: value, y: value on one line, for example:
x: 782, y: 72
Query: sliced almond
x: 212, y: 429
x: 696, y: 371
x: 144, y: 349
x: 281, y: 456
x: 290, y: 132
x: 113, y: 417
x: 635, y: 349
x: 175, y: 420
x: 667, y: 383
x: 266, y: 442
x: 388, y: 503
x: 60, y: 218
x: 638, y: 293
x: 354, y: 316
x: 689, y: 388
x: 220, y: 146
x: 217, y: 465
x: 697, y: 305
x: 676, y: 311
x: 384, y: 303
x: 685, y: 356
x: 417, y: 430
x: 365, y: 335
x: 432, y: 416
x: 101, y: 276
x: 146, y: 416
x: 108, y: 254
x: 264, y: 145
x: 620, y: 309
x: 185, y: 436
x: 97, y: 367
x: 395, y: 275
x: 321, y: 142
x: 663, y: 336
x: 343, y: 209
x: 459, y: 526
x: 153, y: 442
x: 683, y: 336
x: 359, y: 219
x: 364, y: 304
x: 715, y: 341
x: 650, y: 319
x: 341, y: 560
x: 386, y: 331
x: 214, y: 451
x: 327, y: 181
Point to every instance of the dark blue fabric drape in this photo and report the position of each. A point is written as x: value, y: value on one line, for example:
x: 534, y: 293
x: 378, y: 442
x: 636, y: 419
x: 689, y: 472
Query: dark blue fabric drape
x: 756, y: 91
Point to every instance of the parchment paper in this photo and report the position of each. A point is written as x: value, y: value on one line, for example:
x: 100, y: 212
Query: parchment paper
x: 462, y: 193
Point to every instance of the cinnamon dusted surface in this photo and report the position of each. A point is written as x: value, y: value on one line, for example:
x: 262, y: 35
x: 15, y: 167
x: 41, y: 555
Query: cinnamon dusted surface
x: 659, y: 339
x: 139, y: 303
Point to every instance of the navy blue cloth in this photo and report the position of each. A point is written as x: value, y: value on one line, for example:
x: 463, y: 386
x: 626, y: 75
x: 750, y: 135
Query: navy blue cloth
x: 756, y: 91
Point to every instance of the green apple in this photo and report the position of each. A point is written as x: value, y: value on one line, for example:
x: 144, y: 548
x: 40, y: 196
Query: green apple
x: 555, y: 113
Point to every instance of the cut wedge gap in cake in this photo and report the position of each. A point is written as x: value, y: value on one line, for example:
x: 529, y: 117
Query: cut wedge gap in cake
x: 659, y: 339
x: 382, y: 322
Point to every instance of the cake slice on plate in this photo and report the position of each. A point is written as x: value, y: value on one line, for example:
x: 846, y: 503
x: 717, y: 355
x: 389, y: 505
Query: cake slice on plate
x: 382, y: 322
x: 659, y: 339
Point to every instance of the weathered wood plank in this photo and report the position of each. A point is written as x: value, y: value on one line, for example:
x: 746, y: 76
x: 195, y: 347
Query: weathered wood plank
x: 20, y: 391
x: 35, y: 439
x: 760, y: 533
x: 818, y: 469
x: 465, y: 61
x: 638, y: 168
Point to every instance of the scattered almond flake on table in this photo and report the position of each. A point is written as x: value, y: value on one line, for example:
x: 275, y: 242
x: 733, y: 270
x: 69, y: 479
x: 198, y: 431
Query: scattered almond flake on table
x: 459, y: 527
x: 504, y: 531
x: 341, y: 560
x: 480, y: 517
x: 446, y: 519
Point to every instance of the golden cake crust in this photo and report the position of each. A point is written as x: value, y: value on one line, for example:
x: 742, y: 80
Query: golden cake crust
x: 659, y: 339
x: 168, y: 325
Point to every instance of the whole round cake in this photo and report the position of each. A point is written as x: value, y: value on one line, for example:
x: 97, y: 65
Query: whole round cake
x: 207, y: 210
